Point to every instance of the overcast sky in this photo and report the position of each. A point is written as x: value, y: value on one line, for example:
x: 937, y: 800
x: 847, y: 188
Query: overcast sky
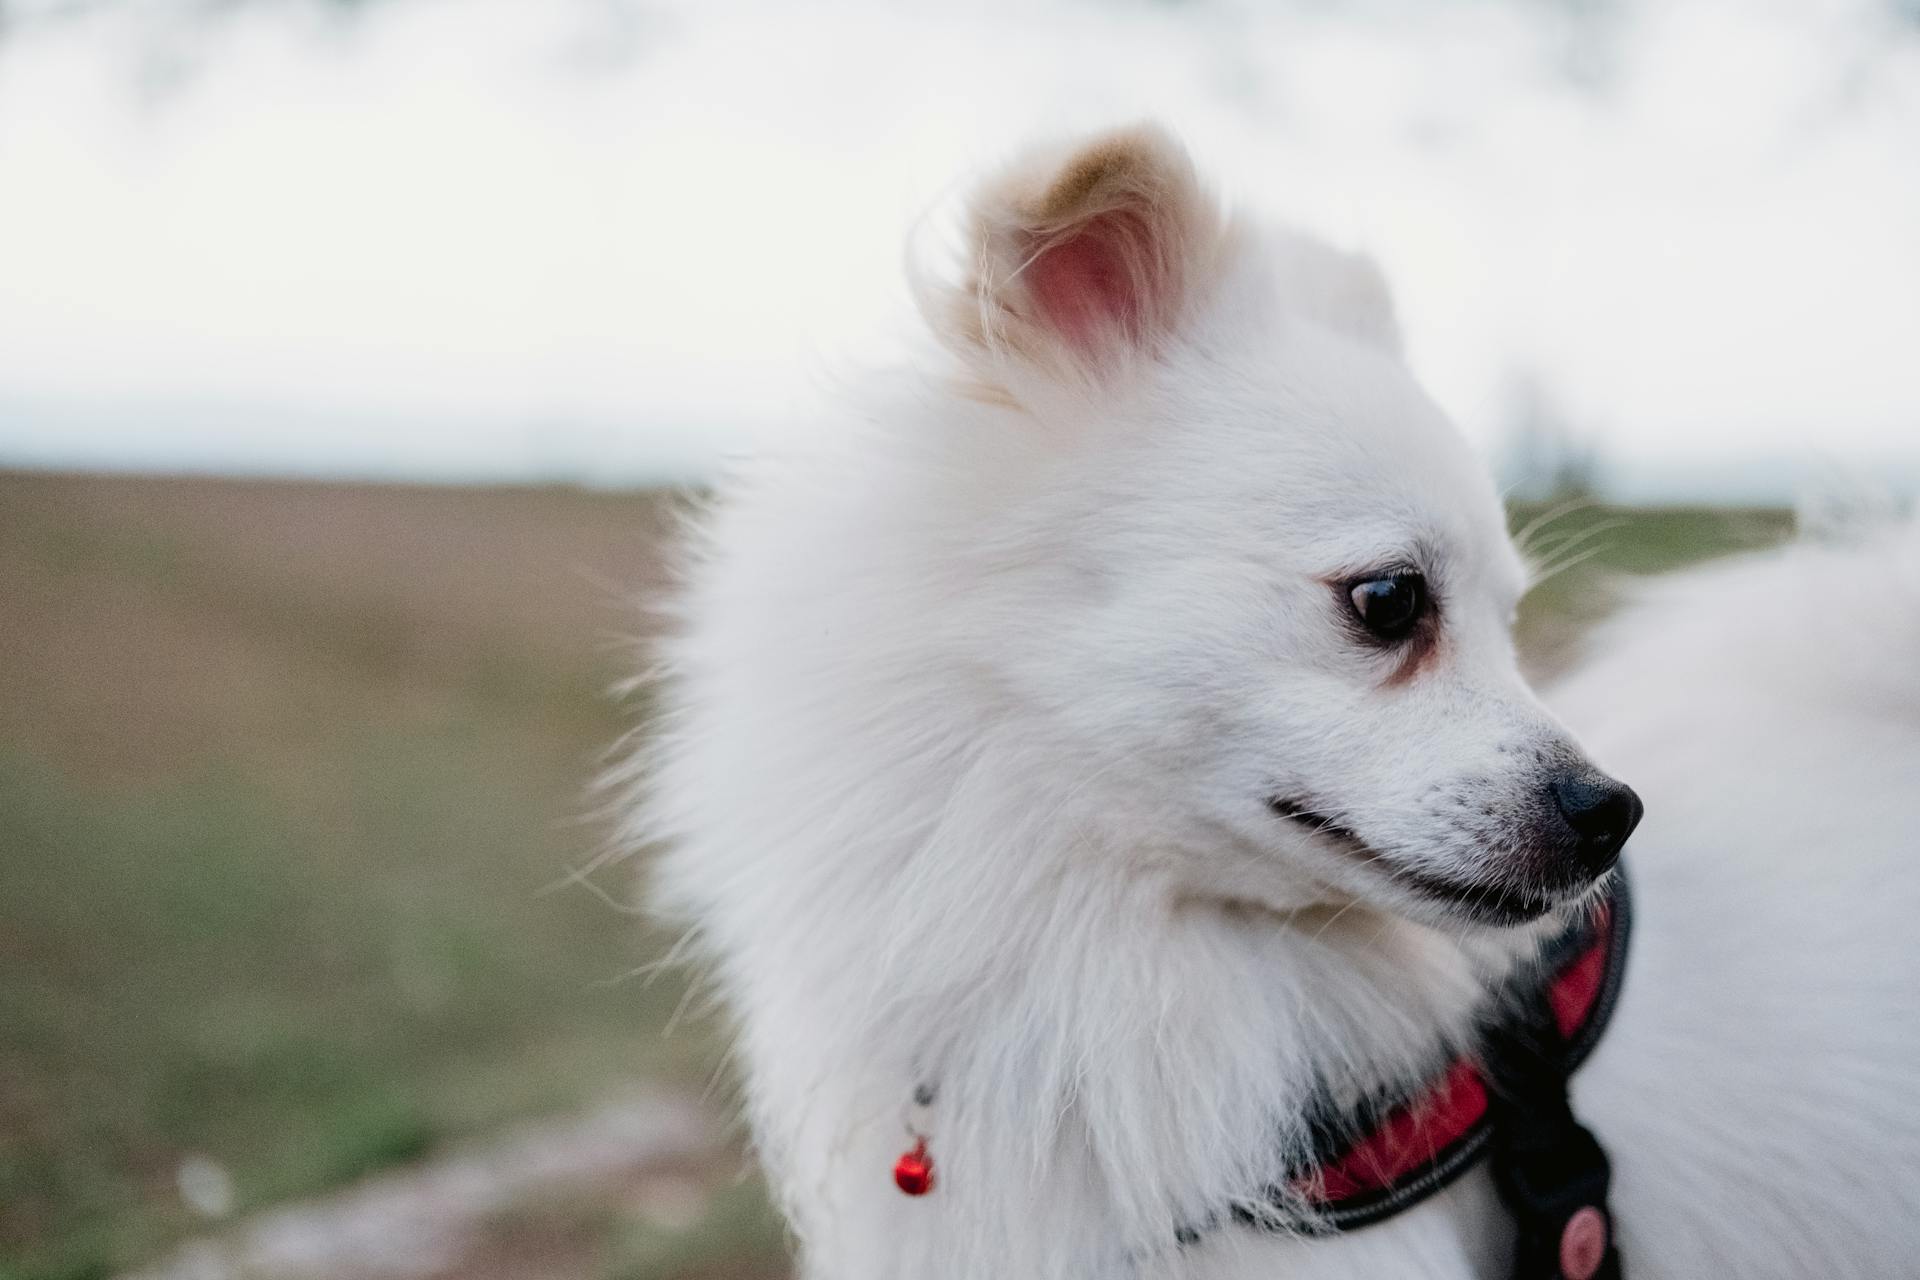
x: 574, y: 238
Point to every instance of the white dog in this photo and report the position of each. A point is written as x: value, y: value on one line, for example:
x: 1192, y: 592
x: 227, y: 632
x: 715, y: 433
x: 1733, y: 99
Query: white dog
x: 1103, y: 789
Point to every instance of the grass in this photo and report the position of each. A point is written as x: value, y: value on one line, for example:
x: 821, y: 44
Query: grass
x: 284, y: 772
x: 276, y: 851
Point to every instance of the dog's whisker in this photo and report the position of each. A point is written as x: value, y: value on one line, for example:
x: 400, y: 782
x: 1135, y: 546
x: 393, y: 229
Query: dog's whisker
x: 1557, y: 547
x: 1335, y: 918
x: 1571, y: 537
x: 1522, y: 539
x: 1569, y: 563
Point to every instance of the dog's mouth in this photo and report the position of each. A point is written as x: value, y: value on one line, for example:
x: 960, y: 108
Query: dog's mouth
x: 1480, y: 903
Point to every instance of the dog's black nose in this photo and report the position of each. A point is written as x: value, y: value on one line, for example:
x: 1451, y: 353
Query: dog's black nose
x: 1602, y: 813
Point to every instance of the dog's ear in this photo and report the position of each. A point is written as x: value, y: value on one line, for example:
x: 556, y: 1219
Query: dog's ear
x: 1081, y: 260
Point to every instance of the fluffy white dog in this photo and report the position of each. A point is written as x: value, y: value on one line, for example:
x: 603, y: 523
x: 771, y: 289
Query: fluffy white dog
x: 1106, y: 759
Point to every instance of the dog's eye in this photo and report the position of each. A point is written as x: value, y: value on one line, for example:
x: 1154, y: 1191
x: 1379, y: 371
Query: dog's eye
x: 1390, y: 607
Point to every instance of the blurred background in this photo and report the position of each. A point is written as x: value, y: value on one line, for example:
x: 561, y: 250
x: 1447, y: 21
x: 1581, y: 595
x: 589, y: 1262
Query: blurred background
x: 352, y: 353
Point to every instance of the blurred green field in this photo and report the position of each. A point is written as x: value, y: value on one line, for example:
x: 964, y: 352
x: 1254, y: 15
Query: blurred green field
x: 288, y: 774
x: 1586, y: 556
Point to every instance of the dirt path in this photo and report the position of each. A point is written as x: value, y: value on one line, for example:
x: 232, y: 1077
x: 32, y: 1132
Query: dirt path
x: 533, y: 1204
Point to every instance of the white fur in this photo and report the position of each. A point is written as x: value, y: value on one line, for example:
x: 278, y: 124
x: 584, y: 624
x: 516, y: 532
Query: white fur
x: 1760, y: 1086
x: 973, y: 719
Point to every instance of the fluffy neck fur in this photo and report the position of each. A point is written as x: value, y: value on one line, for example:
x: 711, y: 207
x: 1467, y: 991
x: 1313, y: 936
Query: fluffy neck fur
x: 898, y: 880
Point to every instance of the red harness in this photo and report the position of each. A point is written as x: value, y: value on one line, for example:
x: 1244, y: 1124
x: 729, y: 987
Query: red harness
x: 1509, y: 1100
x: 1415, y: 1138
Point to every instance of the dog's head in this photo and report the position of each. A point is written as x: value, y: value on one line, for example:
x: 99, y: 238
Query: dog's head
x: 1255, y: 584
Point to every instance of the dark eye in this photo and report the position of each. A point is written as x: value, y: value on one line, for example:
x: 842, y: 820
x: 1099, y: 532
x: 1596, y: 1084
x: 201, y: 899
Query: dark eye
x: 1390, y: 607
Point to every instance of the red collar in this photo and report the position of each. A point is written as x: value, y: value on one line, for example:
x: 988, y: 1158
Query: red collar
x: 1508, y: 1100
x: 1421, y: 1145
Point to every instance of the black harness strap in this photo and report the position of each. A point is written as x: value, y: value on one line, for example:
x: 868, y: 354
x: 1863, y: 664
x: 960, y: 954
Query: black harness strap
x: 1551, y: 1172
x: 1549, y: 1169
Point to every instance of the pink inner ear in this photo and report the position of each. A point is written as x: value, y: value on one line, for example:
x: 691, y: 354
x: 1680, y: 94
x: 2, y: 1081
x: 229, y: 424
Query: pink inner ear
x: 1092, y: 282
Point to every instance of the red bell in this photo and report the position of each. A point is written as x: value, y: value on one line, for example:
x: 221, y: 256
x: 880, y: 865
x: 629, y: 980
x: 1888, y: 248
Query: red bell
x: 913, y: 1172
